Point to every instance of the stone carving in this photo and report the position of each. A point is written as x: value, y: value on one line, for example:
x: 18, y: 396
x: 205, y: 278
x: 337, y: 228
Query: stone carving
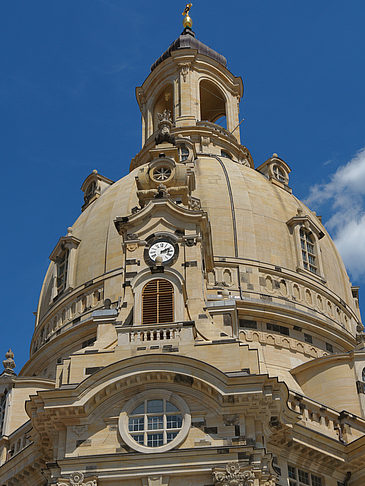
x: 164, y: 128
x: 162, y: 192
x: 9, y: 363
x: 194, y: 203
x: 184, y: 69
x: 77, y: 479
x: 233, y: 475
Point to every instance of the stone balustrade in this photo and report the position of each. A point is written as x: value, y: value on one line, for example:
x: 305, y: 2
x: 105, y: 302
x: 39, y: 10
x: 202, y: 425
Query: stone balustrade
x: 67, y: 314
x: 342, y: 426
x: 215, y: 127
x: 176, y: 332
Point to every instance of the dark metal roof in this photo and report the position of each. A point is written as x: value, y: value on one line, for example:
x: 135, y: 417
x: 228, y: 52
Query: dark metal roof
x: 187, y: 40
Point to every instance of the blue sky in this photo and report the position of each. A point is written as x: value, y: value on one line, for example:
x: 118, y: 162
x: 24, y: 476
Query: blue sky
x: 69, y: 70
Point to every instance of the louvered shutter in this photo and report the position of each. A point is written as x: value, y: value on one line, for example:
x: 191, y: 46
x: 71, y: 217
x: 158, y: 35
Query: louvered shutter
x: 157, y: 302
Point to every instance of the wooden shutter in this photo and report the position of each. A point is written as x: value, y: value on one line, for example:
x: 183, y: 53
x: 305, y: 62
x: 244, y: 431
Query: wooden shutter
x: 157, y: 302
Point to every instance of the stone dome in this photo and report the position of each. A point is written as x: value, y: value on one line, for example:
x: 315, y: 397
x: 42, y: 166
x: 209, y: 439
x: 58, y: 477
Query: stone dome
x: 256, y: 247
x: 249, y: 217
x: 244, y: 206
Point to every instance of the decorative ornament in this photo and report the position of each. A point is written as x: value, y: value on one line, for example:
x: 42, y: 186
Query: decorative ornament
x: 9, y: 363
x: 187, y: 22
x: 77, y: 479
x: 184, y: 69
x: 233, y: 475
x: 164, y: 128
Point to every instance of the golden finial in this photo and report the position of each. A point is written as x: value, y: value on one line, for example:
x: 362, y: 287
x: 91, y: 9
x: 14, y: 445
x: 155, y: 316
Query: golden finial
x: 187, y: 23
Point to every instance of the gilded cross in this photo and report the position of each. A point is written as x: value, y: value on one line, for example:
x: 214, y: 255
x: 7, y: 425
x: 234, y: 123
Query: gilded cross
x: 187, y: 9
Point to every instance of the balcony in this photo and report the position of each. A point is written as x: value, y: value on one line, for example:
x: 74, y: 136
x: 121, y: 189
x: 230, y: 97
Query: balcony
x: 173, y: 333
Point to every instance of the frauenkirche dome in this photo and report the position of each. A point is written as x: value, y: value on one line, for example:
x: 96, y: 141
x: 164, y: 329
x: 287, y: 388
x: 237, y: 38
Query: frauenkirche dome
x: 196, y: 324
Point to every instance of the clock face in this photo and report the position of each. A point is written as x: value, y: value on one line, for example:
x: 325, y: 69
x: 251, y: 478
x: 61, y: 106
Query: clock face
x: 164, y: 249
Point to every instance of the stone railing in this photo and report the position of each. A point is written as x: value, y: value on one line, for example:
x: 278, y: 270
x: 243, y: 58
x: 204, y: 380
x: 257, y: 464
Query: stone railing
x: 216, y: 128
x: 308, y: 297
x: 175, y: 332
x: 342, y: 426
x: 67, y: 314
x: 15, y: 443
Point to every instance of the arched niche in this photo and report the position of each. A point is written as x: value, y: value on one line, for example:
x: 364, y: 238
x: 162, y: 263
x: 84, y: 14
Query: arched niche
x: 164, y: 101
x: 212, y: 103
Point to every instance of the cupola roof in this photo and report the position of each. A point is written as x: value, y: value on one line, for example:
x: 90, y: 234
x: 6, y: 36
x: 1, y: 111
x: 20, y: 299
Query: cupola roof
x: 187, y: 40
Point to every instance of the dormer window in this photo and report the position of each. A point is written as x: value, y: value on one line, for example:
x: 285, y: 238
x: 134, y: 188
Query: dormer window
x: 308, y: 250
x: 277, y: 171
x: 93, y: 187
x: 306, y: 235
x: 64, y: 257
x: 90, y: 191
x: 279, y: 174
x: 62, y: 263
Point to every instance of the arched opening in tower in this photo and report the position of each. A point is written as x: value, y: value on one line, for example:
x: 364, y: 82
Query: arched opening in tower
x: 164, y: 101
x: 157, y: 302
x: 212, y: 104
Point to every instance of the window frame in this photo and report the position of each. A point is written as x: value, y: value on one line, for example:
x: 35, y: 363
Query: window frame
x: 309, y: 256
x: 279, y: 173
x: 143, y: 277
x: 133, y: 403
x: 148, y: 423
x: 295, y: 225
x: 158, y: 297
x: 297, y: 482
x: 64, y: 251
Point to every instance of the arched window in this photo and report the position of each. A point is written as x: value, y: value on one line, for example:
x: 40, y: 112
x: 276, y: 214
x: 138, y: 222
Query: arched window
x: 165, y: 101
x: 212, y: 103
x: 2, y: 410
x: 363, y: 375
x: 308, y: 250
x: 157, y: 302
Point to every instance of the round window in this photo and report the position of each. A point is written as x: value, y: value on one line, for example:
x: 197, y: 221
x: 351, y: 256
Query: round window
x: 279, y: 174
x: 161, y: 173
x: 154, y: 422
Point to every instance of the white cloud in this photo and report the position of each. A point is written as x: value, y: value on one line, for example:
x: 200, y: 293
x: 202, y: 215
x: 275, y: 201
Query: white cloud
x: 350, y: 241
x: 344, y: 193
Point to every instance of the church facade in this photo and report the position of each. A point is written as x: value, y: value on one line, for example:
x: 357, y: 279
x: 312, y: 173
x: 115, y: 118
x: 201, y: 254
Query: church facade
x: 196, y: 325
